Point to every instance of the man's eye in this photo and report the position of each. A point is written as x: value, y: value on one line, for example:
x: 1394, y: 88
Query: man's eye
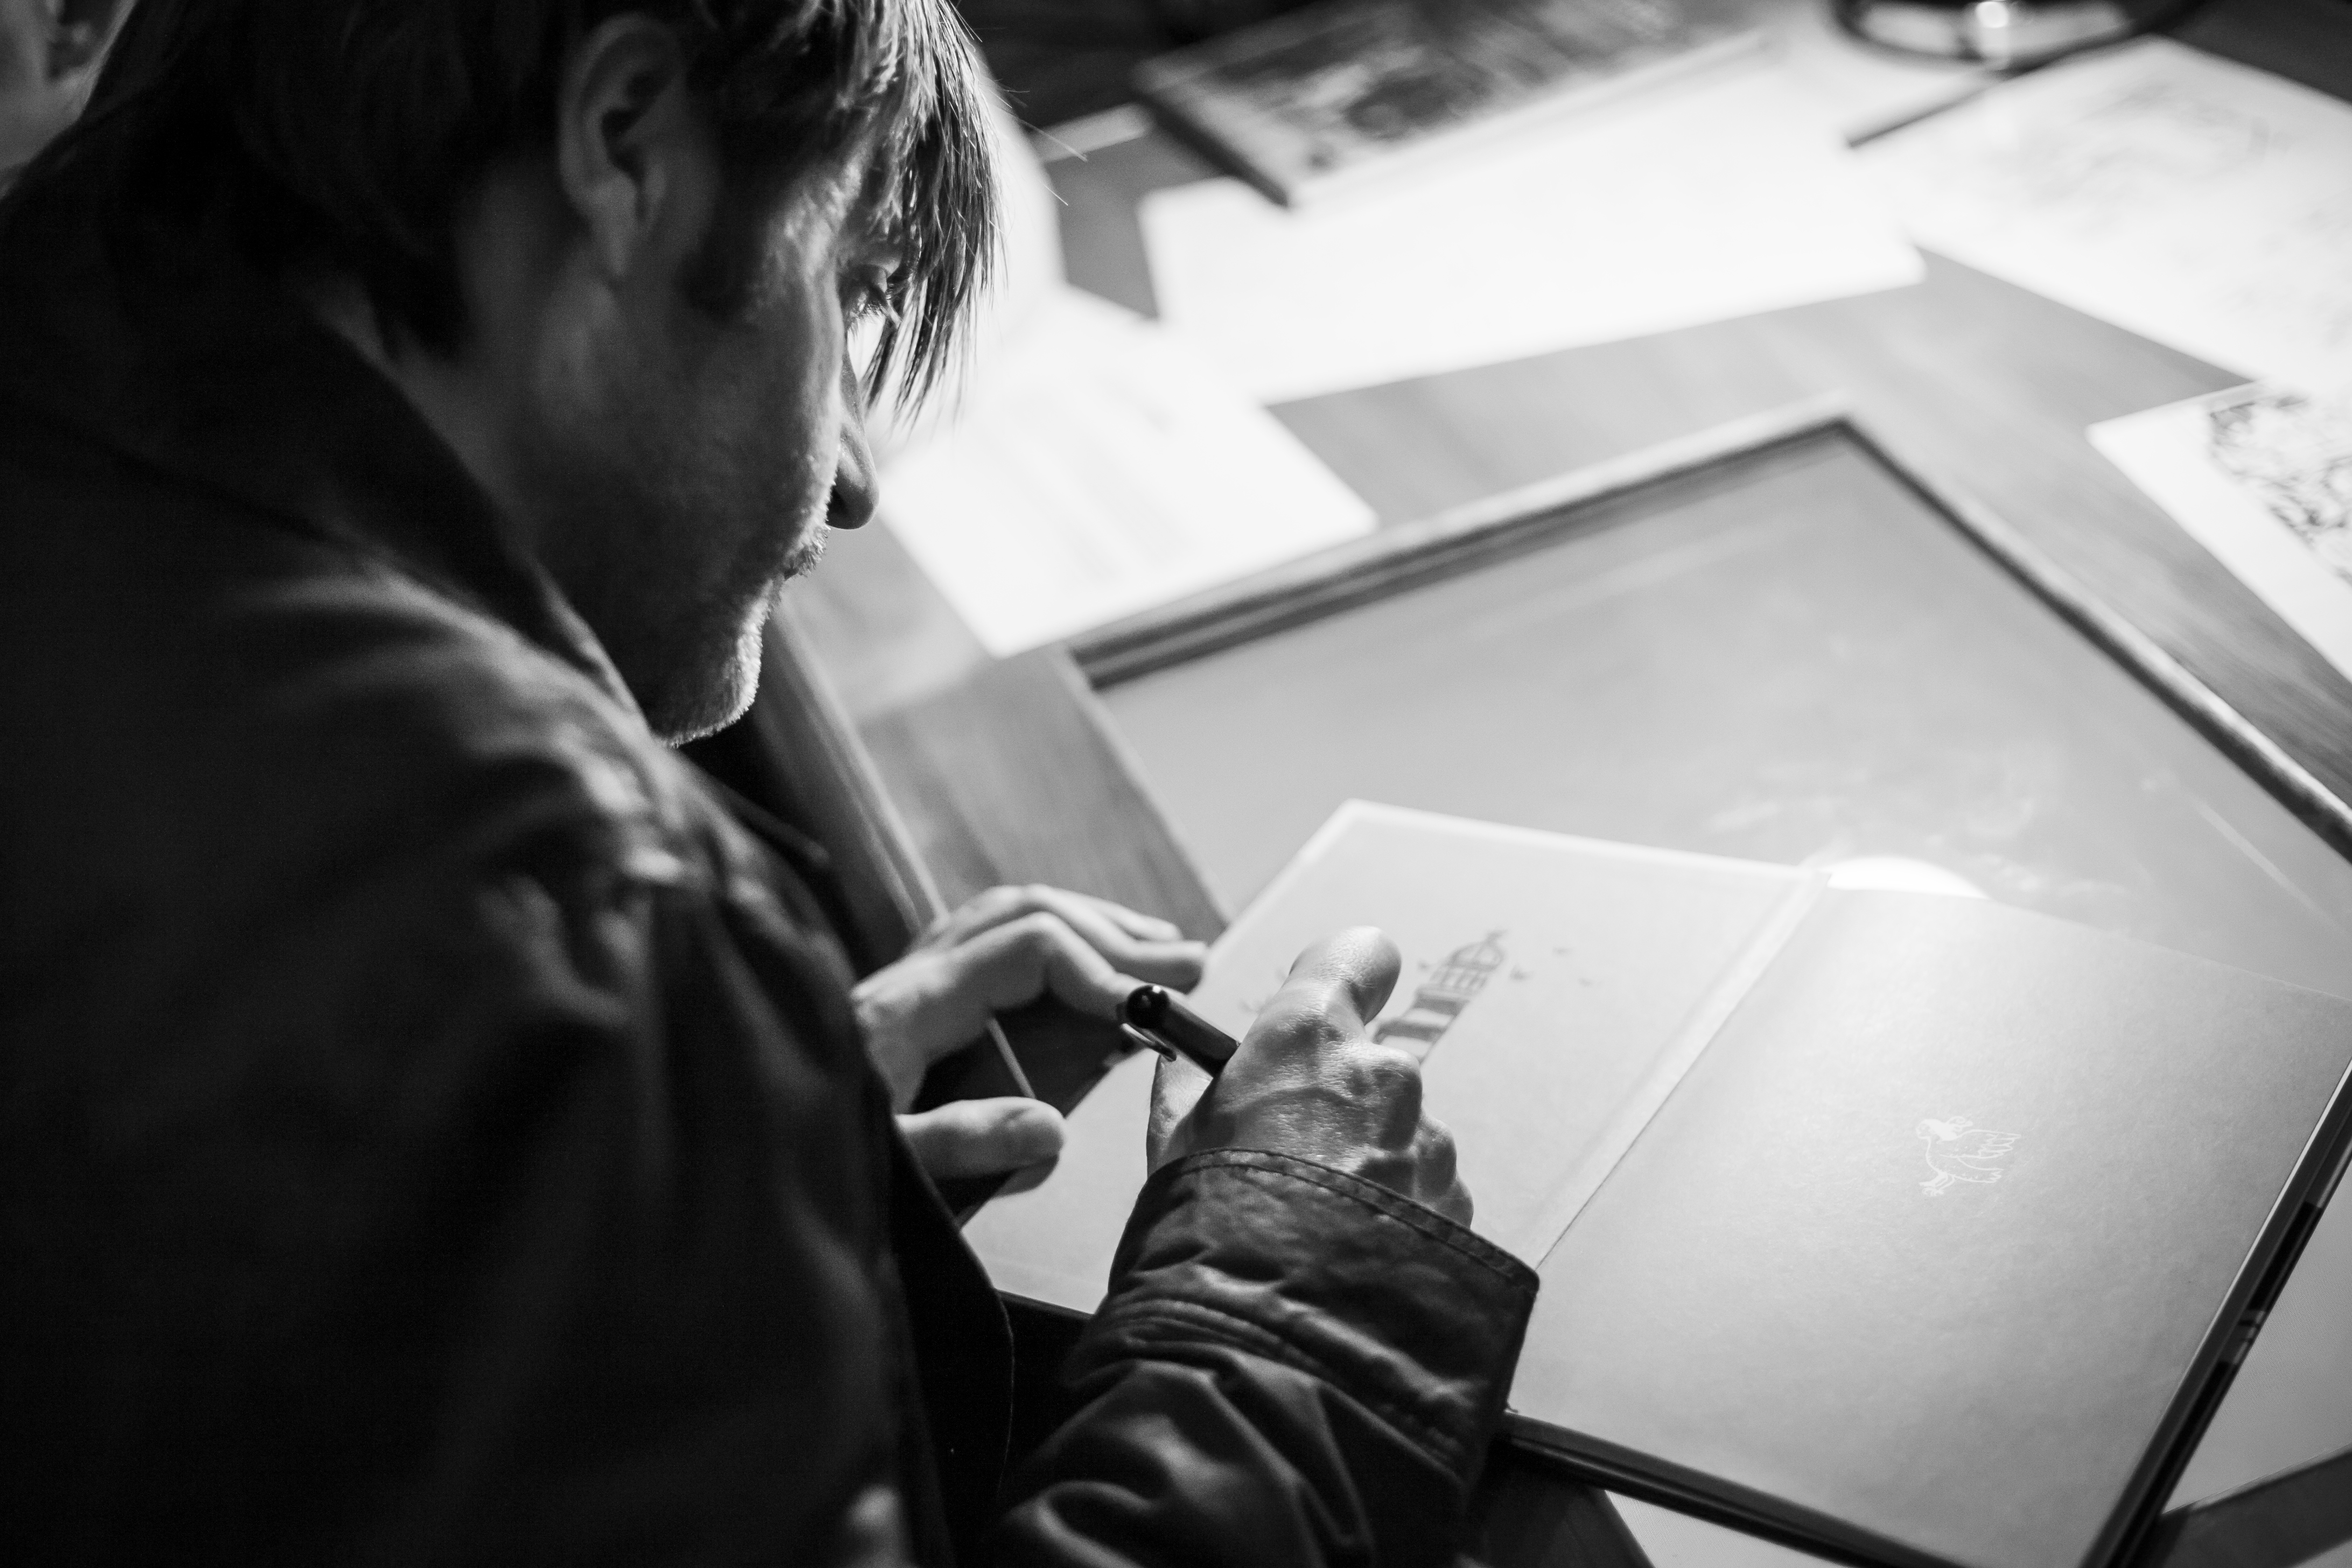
x: 873, y: 297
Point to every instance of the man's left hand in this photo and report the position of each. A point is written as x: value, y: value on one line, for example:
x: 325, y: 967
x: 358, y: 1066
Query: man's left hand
x: 1006, y: 947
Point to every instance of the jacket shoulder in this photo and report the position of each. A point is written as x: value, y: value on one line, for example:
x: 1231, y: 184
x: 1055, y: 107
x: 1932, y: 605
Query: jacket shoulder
x: 220, y: 715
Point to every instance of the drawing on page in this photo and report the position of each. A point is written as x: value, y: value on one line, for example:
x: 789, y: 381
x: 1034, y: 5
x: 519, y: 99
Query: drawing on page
x: 2294, y: 454
x: 1439, y: 1000
x: 1960, y: 1151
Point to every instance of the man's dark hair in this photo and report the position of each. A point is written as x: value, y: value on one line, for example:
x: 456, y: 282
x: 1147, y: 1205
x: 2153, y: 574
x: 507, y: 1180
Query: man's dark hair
x: 341, y: 135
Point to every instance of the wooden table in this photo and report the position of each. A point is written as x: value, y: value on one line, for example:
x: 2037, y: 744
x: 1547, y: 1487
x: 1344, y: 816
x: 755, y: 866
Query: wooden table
x: 1007, y: 771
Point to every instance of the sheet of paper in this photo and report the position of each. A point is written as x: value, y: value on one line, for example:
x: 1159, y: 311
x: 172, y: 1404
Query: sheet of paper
x: 2200, y: 203
x: 1103, y: 467
x: 1552, y: 988
x: 2263, y: 478
x: 1715, y: 197
x: 1672, y: 1540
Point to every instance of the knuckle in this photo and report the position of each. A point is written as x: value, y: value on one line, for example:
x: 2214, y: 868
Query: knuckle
x: 1438, y: 1140
x: 1299, y: 1022
x: 1040, y: 929
x: 1388, y: 1072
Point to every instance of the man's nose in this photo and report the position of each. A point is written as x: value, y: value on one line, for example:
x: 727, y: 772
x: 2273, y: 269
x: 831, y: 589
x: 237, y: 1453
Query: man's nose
x: 854, y: 486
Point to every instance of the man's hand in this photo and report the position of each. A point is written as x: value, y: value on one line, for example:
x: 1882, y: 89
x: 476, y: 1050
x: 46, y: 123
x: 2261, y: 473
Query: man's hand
x: 1006, y: 947
x: 1307, y: 1082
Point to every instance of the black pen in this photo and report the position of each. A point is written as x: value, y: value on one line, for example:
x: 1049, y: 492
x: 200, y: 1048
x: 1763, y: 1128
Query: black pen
x: 1157, y: 1018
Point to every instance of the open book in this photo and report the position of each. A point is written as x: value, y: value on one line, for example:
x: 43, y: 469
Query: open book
x: 1898, y: 1225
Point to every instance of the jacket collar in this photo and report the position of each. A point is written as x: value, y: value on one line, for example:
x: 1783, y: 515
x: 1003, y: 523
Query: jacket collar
x: 165, y: 346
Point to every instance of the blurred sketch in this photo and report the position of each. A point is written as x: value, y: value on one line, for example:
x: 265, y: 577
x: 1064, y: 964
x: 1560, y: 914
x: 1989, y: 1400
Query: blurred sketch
x: 1298, y: 101
x: 1386, y: 73
x: 2262, y: 477
x: 2294, y: 453
x: 2090, y: 165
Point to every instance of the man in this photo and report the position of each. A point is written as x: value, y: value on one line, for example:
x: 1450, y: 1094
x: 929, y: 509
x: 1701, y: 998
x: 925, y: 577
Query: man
x: 433, y: 1131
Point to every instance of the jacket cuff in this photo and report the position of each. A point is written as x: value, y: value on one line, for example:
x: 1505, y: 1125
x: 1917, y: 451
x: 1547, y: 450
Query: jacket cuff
x: 1388, y: 1301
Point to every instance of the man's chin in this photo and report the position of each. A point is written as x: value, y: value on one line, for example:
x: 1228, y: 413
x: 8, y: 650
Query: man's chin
x: 802, y: 557
x: 722, y: 688
x: 721, y: 691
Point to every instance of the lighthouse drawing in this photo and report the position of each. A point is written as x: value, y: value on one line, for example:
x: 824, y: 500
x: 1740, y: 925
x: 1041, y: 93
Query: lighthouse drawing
x: 1440, y: 999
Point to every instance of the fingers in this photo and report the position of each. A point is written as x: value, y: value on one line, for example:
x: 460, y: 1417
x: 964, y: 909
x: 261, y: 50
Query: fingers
x: 936, y: 998
x: 1004, y: 948
x: 1440, y: 1183
x: 1336, y: 986
x: 1038, y: 954
x: 1177, y: 1087
x: 1137, y: 945
x: 982, y: 1137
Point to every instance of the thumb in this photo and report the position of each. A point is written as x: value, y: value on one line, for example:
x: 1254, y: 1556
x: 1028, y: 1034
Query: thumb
x: 982, y: 1137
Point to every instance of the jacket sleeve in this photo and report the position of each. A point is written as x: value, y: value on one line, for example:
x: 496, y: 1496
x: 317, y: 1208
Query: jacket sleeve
x: 1293, y: 1366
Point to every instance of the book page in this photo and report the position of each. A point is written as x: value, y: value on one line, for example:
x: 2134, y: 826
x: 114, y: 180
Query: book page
x: 1552, y: 987
x: 1931, y: 1239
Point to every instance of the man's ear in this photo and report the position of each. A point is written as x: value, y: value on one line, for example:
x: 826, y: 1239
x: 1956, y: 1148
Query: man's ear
x: 79, y: 37
x: 631, y: 153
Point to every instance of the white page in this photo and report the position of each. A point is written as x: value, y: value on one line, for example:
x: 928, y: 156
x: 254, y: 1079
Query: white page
x: 1713, y: 198
x: 1099, y: 468
x: 2263, y: 478
x: 1554, y: 987
x: 1670, y: 1540
x: 2198, y: 201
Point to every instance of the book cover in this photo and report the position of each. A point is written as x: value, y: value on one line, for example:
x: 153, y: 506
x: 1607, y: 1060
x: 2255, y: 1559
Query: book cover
x: 1904, y: 1225
x: 1311, y: 102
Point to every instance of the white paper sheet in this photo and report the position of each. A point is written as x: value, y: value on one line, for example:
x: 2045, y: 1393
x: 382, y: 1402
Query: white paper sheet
x: 2263, y: 478
x: 1103, y: 467
x: 2198, y: 201
x: 1712, y: 198
x: 1672, y: 1540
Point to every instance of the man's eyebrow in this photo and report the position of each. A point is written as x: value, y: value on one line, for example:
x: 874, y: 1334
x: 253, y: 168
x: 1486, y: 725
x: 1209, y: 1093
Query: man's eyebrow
x: 876, y: 218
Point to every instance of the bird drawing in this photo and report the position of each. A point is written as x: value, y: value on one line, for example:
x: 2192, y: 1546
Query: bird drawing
x: 1960, y: 1151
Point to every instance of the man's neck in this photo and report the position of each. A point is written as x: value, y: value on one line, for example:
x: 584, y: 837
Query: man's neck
x: 453, y: 397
